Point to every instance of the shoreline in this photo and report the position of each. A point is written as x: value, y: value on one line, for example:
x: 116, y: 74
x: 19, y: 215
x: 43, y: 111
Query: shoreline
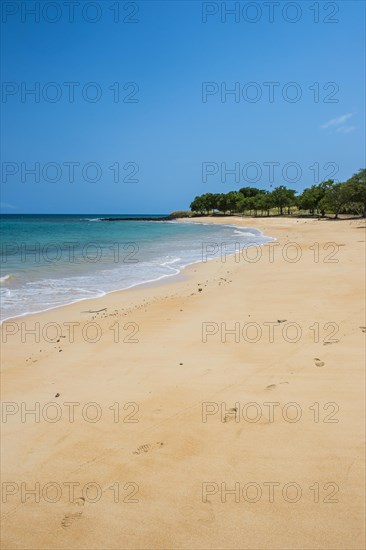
x: 191, y: 356
x: 143, y: 283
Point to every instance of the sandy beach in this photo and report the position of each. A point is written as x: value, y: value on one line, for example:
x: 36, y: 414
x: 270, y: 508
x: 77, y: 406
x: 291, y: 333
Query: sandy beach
x: 220, y: 409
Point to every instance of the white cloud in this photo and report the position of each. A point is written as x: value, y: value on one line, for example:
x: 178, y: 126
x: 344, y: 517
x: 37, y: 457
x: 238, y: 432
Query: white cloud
x: 337, y: 121
x: 346, y: 129
x: 6, y: 205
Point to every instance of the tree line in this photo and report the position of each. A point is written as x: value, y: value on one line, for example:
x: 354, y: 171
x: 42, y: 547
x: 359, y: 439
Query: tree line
x: 327, y: 197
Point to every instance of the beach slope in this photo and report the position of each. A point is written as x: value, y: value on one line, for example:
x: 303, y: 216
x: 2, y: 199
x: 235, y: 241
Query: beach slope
x: 221, y: 409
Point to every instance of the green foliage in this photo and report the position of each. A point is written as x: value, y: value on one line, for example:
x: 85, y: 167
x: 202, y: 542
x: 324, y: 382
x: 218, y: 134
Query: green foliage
x: 326, y: 197
x: 335, y: 198
x: 283, y: 197
x: 264, y: 202
x: 248, y: 192
x: 198, y: 205
x: 356, y: 189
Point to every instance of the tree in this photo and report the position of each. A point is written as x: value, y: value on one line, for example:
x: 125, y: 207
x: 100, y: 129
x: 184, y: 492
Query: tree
x: 251, y: 205
x: 356, y: 188
x: 215, y: 201
x: 242, y: 204
x: 248, y: 192
x: 232, y: 199
x: 208, y: 201
x: 308, y: 200
x: 283, y: 197
x: 321, y: 191
x: 254, y: 199
x: 336, y: 197
x: 264, y: 202
x: 349, y: 197
x: 198, y: 205
x: 223, y: 203
x: 311, y: 197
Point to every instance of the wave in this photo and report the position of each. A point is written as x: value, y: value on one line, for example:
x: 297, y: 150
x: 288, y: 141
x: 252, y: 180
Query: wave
x: 6, y: 278
x: 170, y: 256
x: 245, y: 233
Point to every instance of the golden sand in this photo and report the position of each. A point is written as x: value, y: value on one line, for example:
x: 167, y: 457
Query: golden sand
x: 221, y: 409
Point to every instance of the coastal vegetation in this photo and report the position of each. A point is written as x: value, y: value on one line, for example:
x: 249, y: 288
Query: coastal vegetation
x: 328, y: 198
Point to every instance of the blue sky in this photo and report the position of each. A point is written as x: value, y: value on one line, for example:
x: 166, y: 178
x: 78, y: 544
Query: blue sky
x: 171, y: 134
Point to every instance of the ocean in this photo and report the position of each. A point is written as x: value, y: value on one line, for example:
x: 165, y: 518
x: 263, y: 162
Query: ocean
x: 52, y: 260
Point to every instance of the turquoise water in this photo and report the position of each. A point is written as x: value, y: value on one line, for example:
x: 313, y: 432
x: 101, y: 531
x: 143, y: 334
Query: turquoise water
x: 48, y: 261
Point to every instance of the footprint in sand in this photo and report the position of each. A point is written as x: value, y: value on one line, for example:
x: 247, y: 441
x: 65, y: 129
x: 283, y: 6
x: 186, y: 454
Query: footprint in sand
x: 332, y: 342
x: 147, y: 447
x: 363, y: 329
x: 271, y: 387
x: 230, y: 415
x: 72, y: 516
x: 318, y: 363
